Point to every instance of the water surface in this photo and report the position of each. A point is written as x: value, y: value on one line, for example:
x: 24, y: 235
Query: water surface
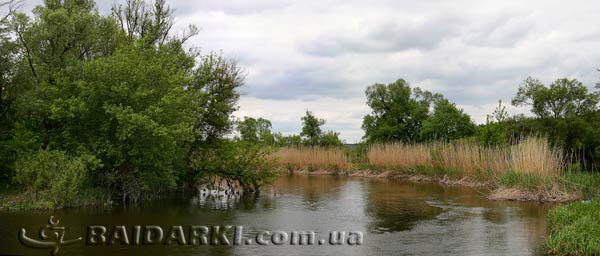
x: 395, y: 217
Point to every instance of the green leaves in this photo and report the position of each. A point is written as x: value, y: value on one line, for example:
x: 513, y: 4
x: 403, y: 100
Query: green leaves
x: 311, y: 128
x: 447, y: 123
x: 312, y: 135
x: 255, y: 130
x: 401, y: 114
x: 563, y: 98
x: 51, y: 175
x: 120, y: 89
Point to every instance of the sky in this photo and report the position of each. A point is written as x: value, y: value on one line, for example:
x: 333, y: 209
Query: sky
x: 320, y: 55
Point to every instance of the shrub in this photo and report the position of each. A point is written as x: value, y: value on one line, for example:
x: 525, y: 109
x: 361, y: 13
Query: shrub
x: 51, y: 177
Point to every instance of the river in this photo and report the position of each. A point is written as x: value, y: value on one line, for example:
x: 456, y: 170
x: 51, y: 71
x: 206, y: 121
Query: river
x: 395, y: 218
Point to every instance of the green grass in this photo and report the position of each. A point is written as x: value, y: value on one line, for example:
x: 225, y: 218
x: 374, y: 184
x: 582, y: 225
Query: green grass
x: 574, y: 229
x: 13, y: 200
x: 587, y: 183
x: 524, y: 181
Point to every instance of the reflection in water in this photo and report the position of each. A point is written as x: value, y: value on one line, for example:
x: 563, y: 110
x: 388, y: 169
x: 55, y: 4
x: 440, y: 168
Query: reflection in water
x: 315, y: 190
x: 396, y: 208
x: 395, y: 217
x: 469, y: 224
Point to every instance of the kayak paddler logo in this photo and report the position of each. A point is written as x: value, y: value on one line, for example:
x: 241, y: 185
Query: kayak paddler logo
x: 51, y: 237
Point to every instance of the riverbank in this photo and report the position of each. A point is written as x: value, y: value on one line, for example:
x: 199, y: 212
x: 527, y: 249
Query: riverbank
x: 574, y: 229
x: 11, y: 199
x: 495, y: 191
x: 531, y: 170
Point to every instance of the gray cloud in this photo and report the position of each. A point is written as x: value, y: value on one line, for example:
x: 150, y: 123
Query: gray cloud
x: 231, y: 7
x: 390, y: 36
x: 301, y: 83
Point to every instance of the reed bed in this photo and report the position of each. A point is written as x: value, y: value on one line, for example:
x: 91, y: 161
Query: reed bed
x: 400, y: 155
x: 536, y: 156
x: 530, y: 156
x: 312, y: 158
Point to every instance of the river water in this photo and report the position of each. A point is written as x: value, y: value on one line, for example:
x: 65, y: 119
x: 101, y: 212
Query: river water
x: 395, y: 218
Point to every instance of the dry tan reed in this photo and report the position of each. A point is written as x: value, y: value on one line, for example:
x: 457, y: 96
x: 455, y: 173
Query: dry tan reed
x: 312, y: 158
x: 536, y: 156
x: 532, y: 156
x: 400, y: 155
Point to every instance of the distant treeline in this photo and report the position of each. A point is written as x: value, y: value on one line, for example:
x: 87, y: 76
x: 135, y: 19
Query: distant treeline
x: 565, y: 112
x: 260, y: 131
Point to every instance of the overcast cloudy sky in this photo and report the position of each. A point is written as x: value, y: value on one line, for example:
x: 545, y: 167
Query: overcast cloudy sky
x: 321, y: 55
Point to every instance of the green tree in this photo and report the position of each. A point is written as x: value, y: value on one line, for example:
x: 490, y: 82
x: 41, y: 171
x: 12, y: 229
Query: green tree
x: 498, y: 115
x: 330, y: 139
x: 397, y: 113
x: 494, y: 132
x: 215, y: 82
x: 122, y: 90
x: 284, y: 141
x: 9, y: 60
x: 447, y: 123
x: 311, y: 128
x: 564, y: 97
x: 239, y: 161
x: 255, y: 130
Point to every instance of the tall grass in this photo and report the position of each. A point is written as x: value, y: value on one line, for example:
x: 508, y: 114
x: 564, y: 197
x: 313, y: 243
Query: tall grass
x: 536, y: 156
x: 312, y: 158
x: 532, y: 163
x: 532, y: 156
x: 400, y: 155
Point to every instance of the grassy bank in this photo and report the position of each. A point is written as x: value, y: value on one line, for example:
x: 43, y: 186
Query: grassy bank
x: 14, y: 200
x: 529, y: 170
x: 574, y: 229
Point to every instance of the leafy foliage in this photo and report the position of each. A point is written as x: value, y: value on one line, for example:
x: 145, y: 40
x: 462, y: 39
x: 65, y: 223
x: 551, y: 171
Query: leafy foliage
x: 245, y: 162
x: 119, y: 89
x: 312, y: 134
x: 447, y: 123
x: 311, y: 128
x: 290, y: 140
x: 52, y: 177
x: 402, y: 114
x: 256, y: 130
x: 564, y: 97
x: 330, y: 139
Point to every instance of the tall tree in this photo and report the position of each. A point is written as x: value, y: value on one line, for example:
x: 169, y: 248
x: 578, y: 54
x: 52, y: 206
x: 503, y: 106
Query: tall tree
x: 397, y: 113
x: 255, y: 130
x: 330, y: 139
x: 9, y: 86
x: 499, y: 115
x: 564, y: 97
x: 311, y: 128
x: 447, y: 123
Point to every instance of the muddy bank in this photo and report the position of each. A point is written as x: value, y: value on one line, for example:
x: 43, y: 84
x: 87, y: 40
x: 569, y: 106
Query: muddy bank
x: 493, y: 191
x: 514, y: 194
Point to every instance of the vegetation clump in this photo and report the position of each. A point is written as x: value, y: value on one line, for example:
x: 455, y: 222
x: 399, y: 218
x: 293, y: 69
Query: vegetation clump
x: 115, y: 105
x: 574, y: 229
